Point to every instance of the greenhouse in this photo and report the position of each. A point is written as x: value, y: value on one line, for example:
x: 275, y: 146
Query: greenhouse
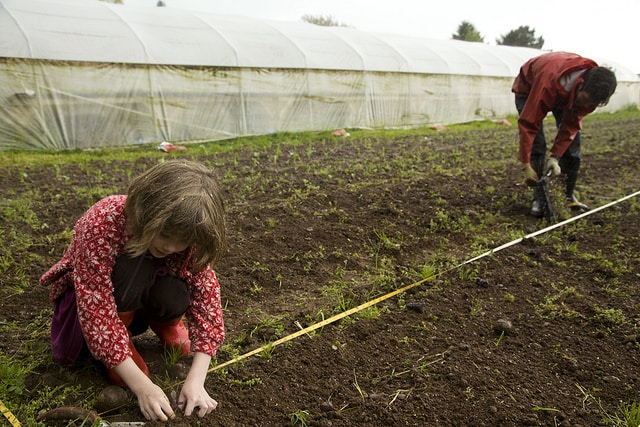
x: 83, y: 73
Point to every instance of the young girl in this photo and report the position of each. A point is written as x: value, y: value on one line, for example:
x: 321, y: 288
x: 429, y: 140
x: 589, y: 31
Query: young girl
x: 142, y: 260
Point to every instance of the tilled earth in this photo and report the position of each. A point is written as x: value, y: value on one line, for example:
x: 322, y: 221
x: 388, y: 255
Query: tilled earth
x: 541, y: 332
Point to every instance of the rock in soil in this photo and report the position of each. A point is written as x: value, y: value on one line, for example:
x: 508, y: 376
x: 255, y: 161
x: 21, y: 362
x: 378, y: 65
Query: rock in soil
x: 111, y: 399
x: 502, y: 326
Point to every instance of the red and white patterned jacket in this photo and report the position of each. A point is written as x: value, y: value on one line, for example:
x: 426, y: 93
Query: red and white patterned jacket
x: 99, y: 239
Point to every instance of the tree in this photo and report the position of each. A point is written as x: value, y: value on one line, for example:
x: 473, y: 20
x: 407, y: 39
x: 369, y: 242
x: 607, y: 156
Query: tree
x: 468, y: 33
x: 325, y: 21
x: 523, y: 36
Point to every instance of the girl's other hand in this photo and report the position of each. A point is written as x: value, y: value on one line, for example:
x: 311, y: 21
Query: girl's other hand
x: 193, y: 396
x: 153, y: 403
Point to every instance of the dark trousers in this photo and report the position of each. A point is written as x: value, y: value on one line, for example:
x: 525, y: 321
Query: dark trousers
x: 142, y: 284
x: 570, y: 160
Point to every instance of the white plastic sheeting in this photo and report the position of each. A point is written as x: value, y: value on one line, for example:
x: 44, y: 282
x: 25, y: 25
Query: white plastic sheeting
x: 83, y: 73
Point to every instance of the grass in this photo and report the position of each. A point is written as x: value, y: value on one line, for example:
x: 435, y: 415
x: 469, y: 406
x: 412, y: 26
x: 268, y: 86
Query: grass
x: 626, y: 414
x: 300, y: 418
x: 171, y: 354
x: 360, y: 274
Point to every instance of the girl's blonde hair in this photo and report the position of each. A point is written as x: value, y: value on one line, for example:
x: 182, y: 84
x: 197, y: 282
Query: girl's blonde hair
x: 180, y: 199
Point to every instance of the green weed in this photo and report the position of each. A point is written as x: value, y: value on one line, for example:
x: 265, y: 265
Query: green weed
x: 627, y: 414
x: 610, y: 316
x: 267, y: 352
x: 509, y: 297
x: 171, y: 354
x: 13, y: 376
x: 272, y: 325
x: 558, y: 305
x: 248, y: 382
x: 475, y: 307
x: 300, y: 417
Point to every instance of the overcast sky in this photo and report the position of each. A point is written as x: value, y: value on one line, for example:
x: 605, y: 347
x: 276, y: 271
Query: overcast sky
x: 602, y: 29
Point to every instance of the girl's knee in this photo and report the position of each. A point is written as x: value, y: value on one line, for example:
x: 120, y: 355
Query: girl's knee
x: 168, y: 299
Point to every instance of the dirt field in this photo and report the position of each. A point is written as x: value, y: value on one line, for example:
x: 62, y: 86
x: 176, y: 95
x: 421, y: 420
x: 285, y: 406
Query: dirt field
x: 541, y: 333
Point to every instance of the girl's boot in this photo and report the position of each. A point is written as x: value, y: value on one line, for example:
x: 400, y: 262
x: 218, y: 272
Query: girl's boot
x: 114, y: 378
x: 173, y: 334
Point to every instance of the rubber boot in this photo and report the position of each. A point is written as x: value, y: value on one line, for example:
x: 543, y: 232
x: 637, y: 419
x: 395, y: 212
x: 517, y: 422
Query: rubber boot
x: 576, y: 205
x: 114, y: 378
x: 173, y: 334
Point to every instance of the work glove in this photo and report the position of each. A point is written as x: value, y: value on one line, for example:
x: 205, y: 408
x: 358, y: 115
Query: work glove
x: 529, y: 176
x: 552, y: 167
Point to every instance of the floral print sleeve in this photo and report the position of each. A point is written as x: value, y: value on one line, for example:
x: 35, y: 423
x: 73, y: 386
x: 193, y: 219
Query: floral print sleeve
x: 206, y: 327
x: 99, y: 238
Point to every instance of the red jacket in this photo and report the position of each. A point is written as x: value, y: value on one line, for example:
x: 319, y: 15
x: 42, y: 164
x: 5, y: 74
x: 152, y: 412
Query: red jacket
x: 99, y: 238
x: 540, y: 82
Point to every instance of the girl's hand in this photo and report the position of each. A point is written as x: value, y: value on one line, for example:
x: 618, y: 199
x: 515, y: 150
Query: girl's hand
x: 193, y: 394
x: 153, y: 403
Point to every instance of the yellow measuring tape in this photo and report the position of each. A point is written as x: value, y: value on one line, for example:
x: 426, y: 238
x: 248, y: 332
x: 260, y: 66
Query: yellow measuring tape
x: 9, y: 416
x: 412, y: 285
x: 323, y: 323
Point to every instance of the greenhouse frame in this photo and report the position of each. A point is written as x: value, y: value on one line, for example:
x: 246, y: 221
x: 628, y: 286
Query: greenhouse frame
x: 85, y: 73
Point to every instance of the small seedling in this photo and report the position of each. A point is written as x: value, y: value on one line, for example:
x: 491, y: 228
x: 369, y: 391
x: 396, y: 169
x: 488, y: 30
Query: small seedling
x: 508, y: 297
x: 299, y: 418
x: 267, y: 352
x: 249, y: 382
x: 171, y: 355
x: 476, y: 306
x: 337, y: 345
x: 538, y: 408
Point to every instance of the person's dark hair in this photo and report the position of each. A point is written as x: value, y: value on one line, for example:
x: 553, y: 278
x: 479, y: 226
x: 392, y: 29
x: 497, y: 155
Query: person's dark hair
x: 599, y: 83
x: 181, y: 199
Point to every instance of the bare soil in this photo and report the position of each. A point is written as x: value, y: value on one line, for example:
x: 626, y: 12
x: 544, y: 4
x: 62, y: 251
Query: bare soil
x: 434, y: 355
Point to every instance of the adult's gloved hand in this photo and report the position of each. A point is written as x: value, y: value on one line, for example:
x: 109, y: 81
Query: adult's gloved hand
x: 552, y: 166
x: 529, y: 176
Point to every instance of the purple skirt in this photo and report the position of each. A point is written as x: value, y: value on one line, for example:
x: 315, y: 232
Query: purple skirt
x: 67, y: 340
